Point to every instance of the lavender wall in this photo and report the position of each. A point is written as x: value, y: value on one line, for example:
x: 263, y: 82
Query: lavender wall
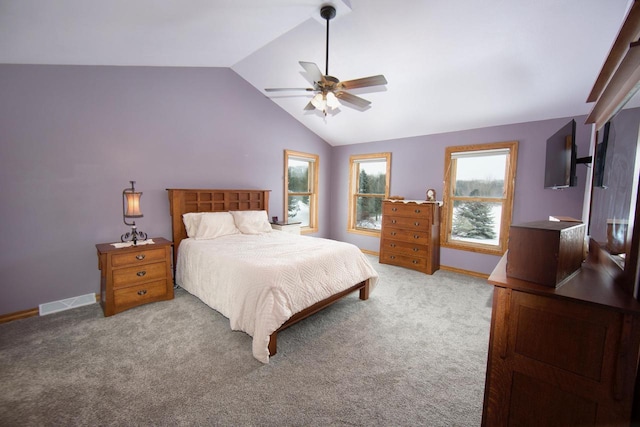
x: 418, y: 163
x: 71, y: 138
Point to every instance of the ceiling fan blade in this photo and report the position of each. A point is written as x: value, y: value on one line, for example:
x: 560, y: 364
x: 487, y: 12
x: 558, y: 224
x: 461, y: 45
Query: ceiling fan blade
x: 352, y: 99
x: 281, y: 89
x: 312, y: 70
x: 363, y: 82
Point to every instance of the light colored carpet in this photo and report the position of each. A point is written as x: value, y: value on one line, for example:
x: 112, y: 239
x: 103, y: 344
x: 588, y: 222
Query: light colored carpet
x: 413, y: 354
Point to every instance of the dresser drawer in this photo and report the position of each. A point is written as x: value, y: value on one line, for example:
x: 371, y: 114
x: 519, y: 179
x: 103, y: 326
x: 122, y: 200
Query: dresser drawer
x: 404, y: 261
x: 139, y: 274
x: 406, y: 223
x: 416, y: 237
x: 139, y: 294
x: 138, y: 257
x: 407, y: 210
x: 395, y: 247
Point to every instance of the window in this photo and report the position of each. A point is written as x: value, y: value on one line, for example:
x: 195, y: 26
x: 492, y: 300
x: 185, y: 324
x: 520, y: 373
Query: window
x: 478, y: 196
x: 368, y: 187
x: 301, y: 189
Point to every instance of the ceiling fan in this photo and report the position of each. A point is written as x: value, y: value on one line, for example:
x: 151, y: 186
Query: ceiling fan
x: 328, y: 89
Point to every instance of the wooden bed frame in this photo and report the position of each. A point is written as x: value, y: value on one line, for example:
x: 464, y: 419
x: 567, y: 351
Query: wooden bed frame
x: 183, y: 201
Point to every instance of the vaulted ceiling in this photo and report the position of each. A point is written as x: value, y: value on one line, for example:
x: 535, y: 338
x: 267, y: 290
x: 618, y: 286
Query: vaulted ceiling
x: 450, y: 65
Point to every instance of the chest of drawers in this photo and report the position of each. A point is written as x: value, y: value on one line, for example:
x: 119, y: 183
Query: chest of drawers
x: 134, y: 275
x: 411, y: 235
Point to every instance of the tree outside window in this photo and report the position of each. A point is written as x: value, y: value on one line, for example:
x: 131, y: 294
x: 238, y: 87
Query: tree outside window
x: 301, y: 189
x: 369, y: 186
x: 478, y: 196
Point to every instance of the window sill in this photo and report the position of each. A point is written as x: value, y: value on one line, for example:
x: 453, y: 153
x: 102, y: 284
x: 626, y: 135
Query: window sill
x: 364, y: 232
x: 484, y: 249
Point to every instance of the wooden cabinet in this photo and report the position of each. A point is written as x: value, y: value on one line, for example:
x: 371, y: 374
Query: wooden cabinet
x: 134, y: 275
x: 411, y: 235
x: 563, y: 356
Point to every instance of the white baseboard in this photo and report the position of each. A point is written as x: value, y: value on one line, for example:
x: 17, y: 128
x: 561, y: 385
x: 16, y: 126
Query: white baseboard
x: 66, y: 304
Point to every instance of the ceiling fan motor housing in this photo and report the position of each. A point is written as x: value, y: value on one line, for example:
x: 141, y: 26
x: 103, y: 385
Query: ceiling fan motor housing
x: 328, y: 12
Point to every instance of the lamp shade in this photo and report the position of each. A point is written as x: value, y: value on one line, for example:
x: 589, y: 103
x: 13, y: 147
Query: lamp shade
x: 132, y: 204
x: 131, y: 209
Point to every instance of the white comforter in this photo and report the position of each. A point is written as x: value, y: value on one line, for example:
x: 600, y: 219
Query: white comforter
x: 260, y: 281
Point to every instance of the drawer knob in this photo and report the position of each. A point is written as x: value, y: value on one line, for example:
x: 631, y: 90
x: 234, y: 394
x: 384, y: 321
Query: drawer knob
x: 142, y: 292
x: 393, y: 233
x: 414, y: 261
x: 141, y: 273
x: 415, y: 236
x: 394, y: 209
x: 392, y: 257
x: 417, y: 211
x: 393, y: 221
x: 393, y: 245
x: 416, y: 223
x: 140, y: 257
x: 415, y: 249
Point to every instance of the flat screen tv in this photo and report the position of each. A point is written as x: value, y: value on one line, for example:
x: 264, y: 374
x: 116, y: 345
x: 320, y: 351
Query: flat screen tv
x: 561, y: 158
x: 601, y: 157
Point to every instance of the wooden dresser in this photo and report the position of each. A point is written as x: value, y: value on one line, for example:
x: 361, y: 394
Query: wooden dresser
x: 134, y: 275
x: 411, y: 235
x: 564, y: 356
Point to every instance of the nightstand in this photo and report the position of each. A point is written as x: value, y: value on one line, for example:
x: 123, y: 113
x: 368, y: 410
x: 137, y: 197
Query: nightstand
x: 134, y: 275
x: 287, y: 227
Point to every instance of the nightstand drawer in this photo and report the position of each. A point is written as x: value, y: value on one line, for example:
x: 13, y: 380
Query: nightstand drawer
x: 140, y: 294
x: 139, y: 274
x: 138, y: 257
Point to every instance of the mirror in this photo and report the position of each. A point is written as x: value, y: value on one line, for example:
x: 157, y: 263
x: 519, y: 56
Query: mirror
x: 613, y: 199
x: 613, y: 215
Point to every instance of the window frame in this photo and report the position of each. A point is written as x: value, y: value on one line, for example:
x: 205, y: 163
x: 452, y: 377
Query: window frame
x: 506, y: 200
x: 354, y: 177
x: 314, y: 160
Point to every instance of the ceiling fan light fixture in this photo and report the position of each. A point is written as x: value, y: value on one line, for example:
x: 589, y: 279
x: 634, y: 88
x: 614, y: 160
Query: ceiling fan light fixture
x: 319, y: 102
x: 332, y: 100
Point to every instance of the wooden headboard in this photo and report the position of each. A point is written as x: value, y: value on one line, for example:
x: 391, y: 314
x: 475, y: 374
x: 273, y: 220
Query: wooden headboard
x: 182, y: 201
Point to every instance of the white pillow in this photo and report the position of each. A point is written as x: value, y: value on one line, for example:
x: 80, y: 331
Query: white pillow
x: 252, y: 222
x: 191, y: 221
x: 209, y: 225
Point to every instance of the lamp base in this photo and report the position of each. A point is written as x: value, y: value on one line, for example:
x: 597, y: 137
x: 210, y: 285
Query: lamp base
x: 133, y: 236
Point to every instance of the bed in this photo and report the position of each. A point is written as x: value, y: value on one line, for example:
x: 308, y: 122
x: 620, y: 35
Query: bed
x: 263, y: 280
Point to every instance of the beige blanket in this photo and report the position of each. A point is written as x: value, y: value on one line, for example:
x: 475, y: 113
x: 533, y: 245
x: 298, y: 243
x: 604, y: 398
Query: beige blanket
x: 260, y: 281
